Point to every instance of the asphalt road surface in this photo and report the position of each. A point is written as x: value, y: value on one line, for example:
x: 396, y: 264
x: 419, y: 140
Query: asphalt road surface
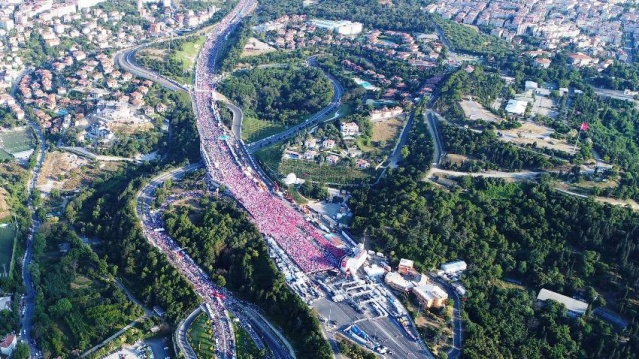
x: 389, y: 332
x: 29, y: 298
x: 433, y: 128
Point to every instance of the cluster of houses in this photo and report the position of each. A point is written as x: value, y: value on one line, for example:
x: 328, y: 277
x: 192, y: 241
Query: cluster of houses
x: 92, y: 75
x: 422, y: 52
x: 595, y: 27
x: 314, y: 148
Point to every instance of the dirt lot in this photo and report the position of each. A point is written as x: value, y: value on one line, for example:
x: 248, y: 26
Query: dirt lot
x: 156, y: 54
x: 66, y: 171
x: 387, y: 130
x: 475, y: 111
x: 256, y: 47
x: 531, y: 132
x: 4, y: 207
x: 121, y: 129
x: 457, y: 159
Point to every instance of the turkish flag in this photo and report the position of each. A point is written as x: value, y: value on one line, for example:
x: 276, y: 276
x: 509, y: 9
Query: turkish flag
x: 584, y: 126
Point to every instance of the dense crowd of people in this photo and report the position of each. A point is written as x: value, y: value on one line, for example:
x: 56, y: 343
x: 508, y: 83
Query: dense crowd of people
x: 300, y: 240
x: 202, y: 283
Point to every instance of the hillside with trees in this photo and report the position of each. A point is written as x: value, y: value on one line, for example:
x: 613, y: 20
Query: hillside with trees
x: 281, y: 95
x: 231, y: 249
x: 528, y: 233
x: 77, y: 306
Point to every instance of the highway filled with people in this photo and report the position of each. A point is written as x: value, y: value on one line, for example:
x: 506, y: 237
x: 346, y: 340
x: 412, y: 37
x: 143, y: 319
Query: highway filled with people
x: 153, y: 229
x: 219, y: 301
x: 227, y: 164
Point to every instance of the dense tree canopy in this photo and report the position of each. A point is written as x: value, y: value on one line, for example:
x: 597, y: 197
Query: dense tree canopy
x: 228, y: 246
x: 281, y: 95
x: 524, y: 232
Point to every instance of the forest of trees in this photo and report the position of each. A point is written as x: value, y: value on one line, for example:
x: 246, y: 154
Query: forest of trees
x: 230, y: 248
x: 525, y: 232
x: 76, y: 305
x: 466, y: 39
x: 370, y: 13
x: 108, y: 212
x: 485, y: 146
x: 282, y: 95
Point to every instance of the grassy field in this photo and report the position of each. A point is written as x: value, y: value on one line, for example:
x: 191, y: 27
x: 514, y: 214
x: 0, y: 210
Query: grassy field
x: 246, y: 348
x: 7, y: 236
x: 254, y: 129
x: 271, y: 158
x: 201, y: 337
x: 16, y: 141
x: 325, y: 173
x: 188, y: 51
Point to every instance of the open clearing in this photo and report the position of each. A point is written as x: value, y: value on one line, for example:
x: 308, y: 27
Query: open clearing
x: 7, y: 236
x: 530, y: 133
x: 67, y: 171
x: 456, y: 159
x: 57, y: 169
x: 475, y: 111
x: 156, y: 54
x: 121, y: 129
x: 256, y: 47
x: 386, y: 130
x: 187, y: 52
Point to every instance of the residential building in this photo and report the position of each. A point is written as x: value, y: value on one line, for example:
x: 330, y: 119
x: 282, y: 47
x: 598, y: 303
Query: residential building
x: 8, y: 344
x: 349, y: 129
x: 328, y: 144
x: 430, y: 296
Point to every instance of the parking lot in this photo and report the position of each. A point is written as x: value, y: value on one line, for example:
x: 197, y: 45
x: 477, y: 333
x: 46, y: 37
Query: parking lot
x: 373, y: 310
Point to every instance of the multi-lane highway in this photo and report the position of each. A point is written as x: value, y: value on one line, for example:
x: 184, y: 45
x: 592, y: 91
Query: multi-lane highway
x: 217, y: 305
x: 338, y: 92
x: 126, y: 60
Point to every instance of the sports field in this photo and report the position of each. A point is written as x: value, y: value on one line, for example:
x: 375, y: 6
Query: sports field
x: 16, y: 141
x: 7, y: 236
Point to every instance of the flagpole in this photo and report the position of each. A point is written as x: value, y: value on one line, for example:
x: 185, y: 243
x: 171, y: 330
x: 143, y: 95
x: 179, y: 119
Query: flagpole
x: 574, y: 149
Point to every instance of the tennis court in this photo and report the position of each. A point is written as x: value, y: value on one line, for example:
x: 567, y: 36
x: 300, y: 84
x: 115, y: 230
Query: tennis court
x: 7, y: 236
x: 16, y: 141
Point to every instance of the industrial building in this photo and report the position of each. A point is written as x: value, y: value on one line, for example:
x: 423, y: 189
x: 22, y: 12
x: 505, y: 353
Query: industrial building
x: 575, y: 307
x: 516, y: 107
x: 397, y: 282
x: 454, y: 267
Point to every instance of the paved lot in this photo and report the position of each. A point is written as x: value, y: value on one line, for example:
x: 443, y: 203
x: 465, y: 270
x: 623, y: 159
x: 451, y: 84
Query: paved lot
x: 157, y: 347
x: 475, y: 111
